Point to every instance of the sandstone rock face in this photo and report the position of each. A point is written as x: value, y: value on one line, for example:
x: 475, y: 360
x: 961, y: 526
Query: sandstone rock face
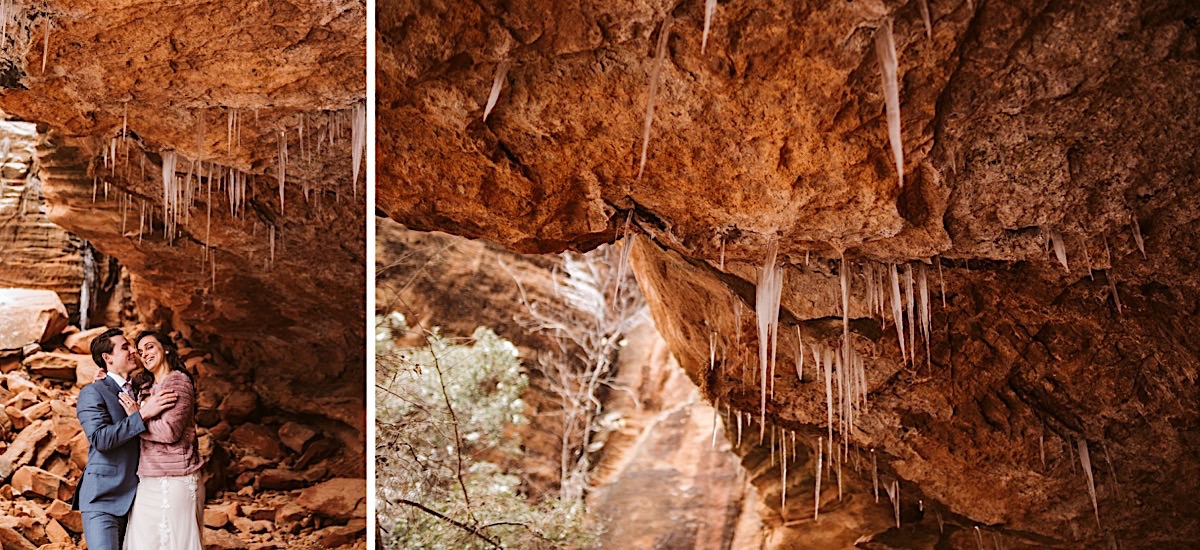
x: 1023, y: 124
x: 272, y: 281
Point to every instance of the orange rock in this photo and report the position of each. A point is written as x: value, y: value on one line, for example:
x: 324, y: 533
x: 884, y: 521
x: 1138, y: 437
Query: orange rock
x: 257, y: 439
x: 29, y: 316
x: 31, y: 481
x: 81, y: 342
x: 58, y: 366
x: 56, y: 533
x: 215, y: 539
x: 10, y: 539
x: 239, y: 406
x: 294, y: 436
x: 215, y: 518
x: 37, y: 411
x: 62, y: 512
x: 337, y: 498
x: 341, y: 535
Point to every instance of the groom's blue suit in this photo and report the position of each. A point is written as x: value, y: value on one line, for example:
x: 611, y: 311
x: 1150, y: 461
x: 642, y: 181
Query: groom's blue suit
x: 105, y: 494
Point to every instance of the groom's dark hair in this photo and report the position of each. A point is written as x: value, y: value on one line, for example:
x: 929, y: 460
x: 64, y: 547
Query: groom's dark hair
x: 103, y: 344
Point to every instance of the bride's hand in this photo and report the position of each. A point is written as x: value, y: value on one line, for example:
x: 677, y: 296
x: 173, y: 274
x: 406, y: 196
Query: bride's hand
x: 128, y: 404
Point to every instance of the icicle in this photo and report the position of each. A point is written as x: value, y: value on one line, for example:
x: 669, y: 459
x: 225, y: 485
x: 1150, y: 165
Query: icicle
x: 497, y: 83
x: 875, y: 475
x: 722, y: 266
x: 1086, y: 462
x: 1112, y: 284
x: 923, y: 291
x: 799, y: 355
x: 4, y: 26
x: 623, y: 259
x: 655, y: 72
x: 893, y: 492
x: 1137, y: 235
x: 885, y: 47
x: 979, y: 537
x: 898, y: 312
x: 710, y: 6
x: 358, y: 142
x: 272, y: 239
x: 925, y: 16
x: 1087, y: 257
x: 783, y: 473
x: 817, y: 490
x: 1060, y: 251
x: 281, y: 169
x: 766, y: 309
x: 46, y: 46
x: 828, y: 365
x: 942, y: 282
x: 912, y: 326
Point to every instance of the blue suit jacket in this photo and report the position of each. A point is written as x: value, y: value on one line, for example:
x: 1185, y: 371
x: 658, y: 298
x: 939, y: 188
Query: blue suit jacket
x: 110, y: 479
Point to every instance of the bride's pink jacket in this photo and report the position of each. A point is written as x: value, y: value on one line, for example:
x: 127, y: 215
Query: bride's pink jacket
x: 169, y: 442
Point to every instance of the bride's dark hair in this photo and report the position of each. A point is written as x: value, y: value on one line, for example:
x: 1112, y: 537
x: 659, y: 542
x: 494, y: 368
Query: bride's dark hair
x: 144, y: 379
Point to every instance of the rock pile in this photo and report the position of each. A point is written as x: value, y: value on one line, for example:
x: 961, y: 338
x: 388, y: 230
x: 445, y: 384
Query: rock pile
x: 271, y: 481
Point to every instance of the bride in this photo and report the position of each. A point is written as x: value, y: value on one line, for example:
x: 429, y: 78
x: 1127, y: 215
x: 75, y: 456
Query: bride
x: 169, y: 506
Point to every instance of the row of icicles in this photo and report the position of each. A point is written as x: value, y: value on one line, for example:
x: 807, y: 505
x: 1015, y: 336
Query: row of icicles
x: 899, y: 290
x: 183, y: 187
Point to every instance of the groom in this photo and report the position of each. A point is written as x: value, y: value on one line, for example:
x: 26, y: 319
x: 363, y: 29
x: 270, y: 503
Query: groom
x: 112, y: 421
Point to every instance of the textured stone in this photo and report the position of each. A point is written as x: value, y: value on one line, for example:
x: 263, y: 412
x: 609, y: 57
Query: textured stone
x: 81, y: 342
x: 10, y: 539
x: 29, y: 316
x: 58, y: 366
x: 295, y: 436
x: 336, y: 498
x: 31, y: 481
x: 258, y: 440
x: 216, y: 539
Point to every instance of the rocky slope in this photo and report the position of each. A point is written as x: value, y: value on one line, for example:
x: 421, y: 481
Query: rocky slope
x: 1026, y: 127
x: 230, y: 97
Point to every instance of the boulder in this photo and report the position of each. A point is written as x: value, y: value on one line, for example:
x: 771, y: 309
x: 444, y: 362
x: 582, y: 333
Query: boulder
x: 62, y: 512
x: 215, y: 518
x: 341, y: 535
x: 31, y: 481
x: 81, y: 342
x: 10, y: 539
x: 290, y: 513
x: 337, y: 498
x: 239, y: 406
x: 29, y: 316
x: 276, y: 479
x: 295, y: 436
x: 55, y: 365
x: 57, y: 534
x: 258, y: 440
x: 215, y: 539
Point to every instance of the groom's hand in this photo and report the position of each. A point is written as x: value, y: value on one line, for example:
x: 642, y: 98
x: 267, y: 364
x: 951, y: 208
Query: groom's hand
x: 156, y: 404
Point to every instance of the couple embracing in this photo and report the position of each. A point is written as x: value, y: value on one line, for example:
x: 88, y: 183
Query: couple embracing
x: 142, y: 481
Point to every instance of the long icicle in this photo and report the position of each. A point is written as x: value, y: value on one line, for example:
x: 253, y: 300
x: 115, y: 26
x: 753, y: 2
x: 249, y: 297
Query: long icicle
x: 1086, y: 462
x: 710, y: 7
x: 898, y: 312
x: 817, y: 490
x: 885, y: 47
x: 497, y: 83
x: 1060, y: 251
x: 912, y: 326
x: 358, y: 141
x: 766, y: 309
x: 281, y: 169
x: 46, y: 46
x: 655, y: 73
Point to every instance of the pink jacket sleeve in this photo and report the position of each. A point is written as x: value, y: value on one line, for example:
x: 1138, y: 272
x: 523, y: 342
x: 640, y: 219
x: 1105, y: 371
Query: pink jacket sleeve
x: 169, y: 426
